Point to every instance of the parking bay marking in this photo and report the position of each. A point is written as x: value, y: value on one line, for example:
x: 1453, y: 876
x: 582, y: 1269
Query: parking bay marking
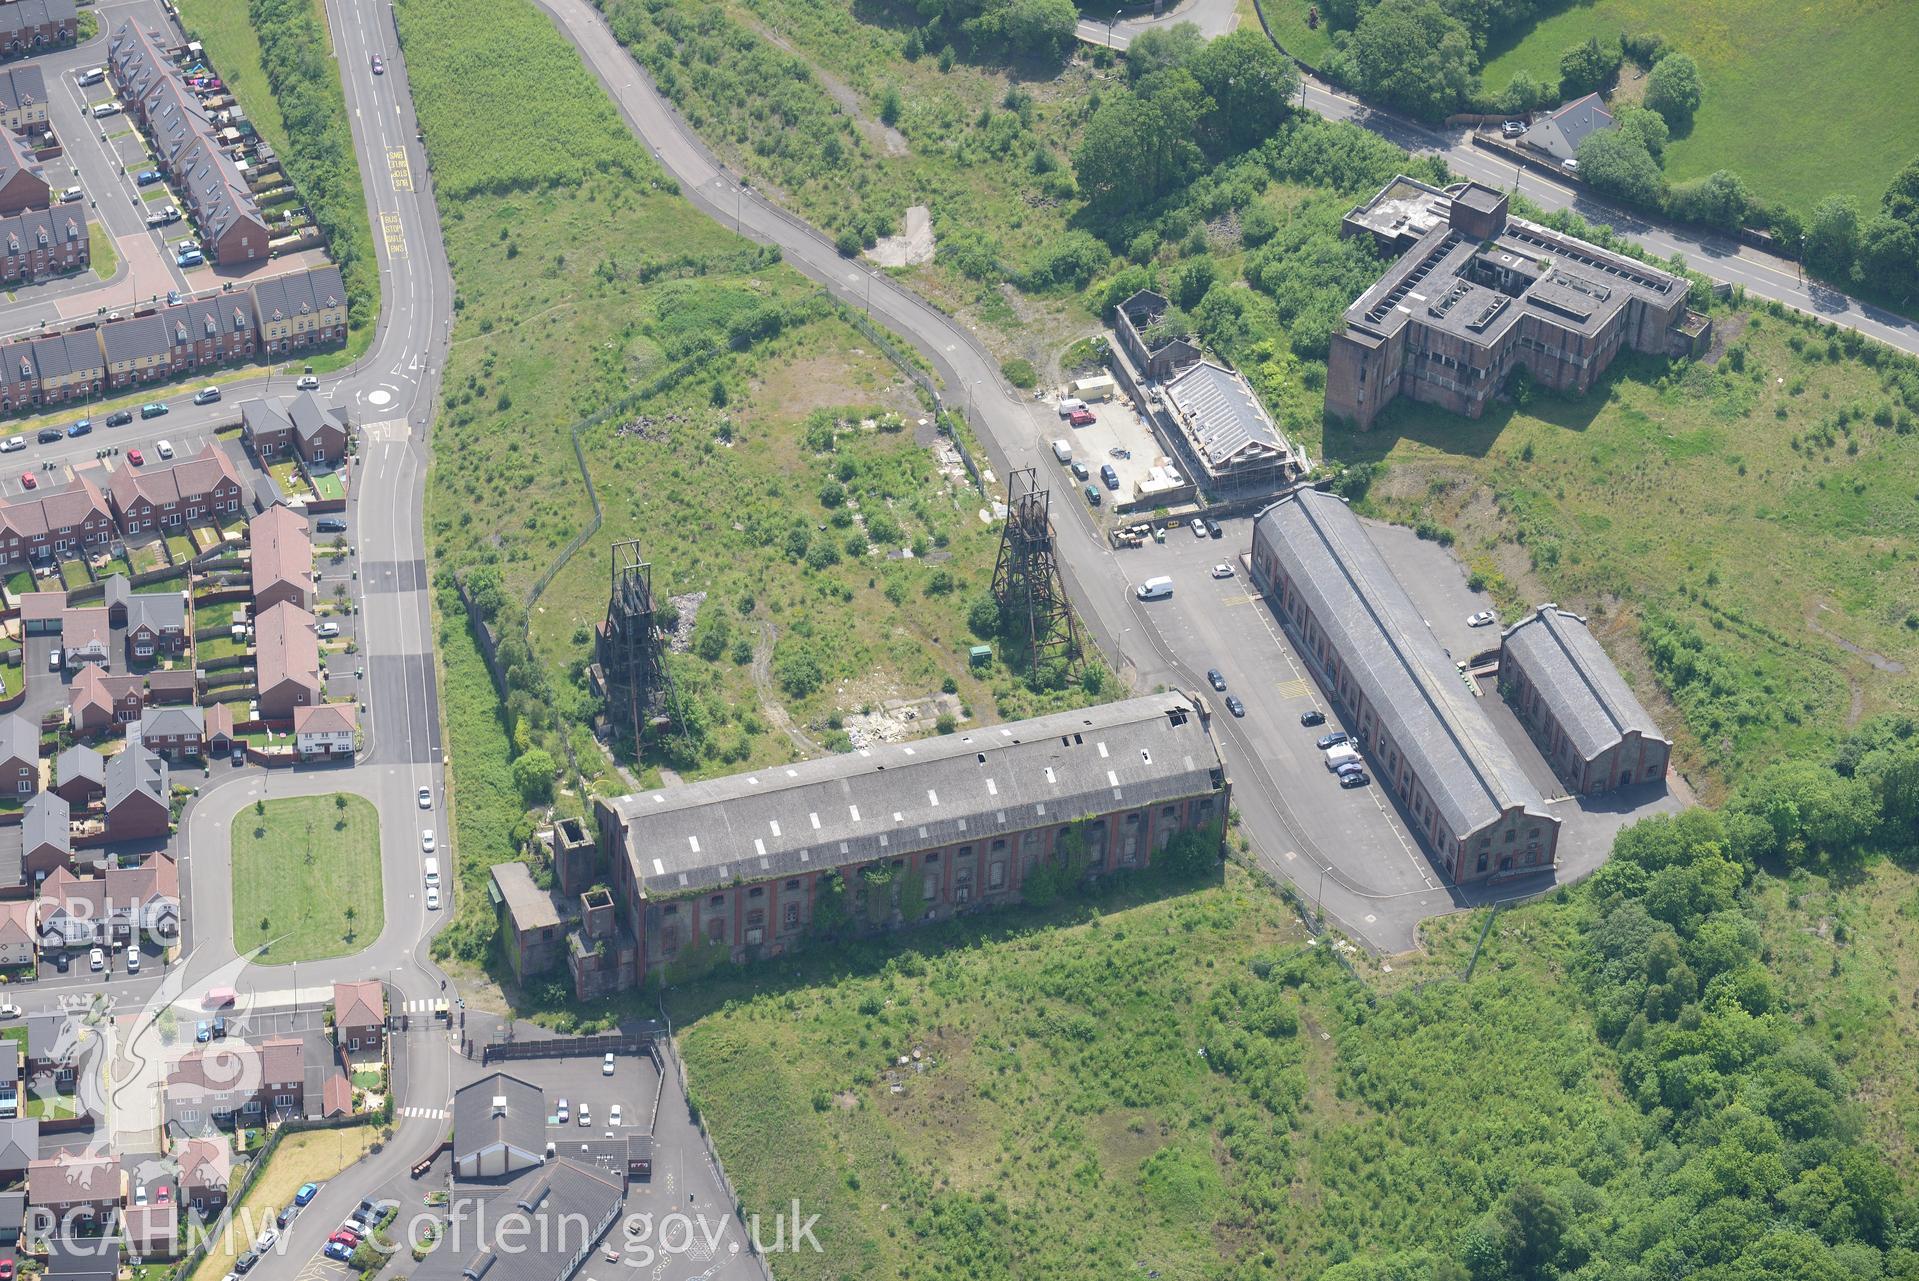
x: 1241, y: 600
x: 1296, y: 688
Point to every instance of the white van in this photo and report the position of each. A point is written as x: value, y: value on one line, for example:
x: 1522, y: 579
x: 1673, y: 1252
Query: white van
x: 1155, y: 589
x: 1070, y: 406
x: 1337, y: 756
x: 1062, y: 451
x: 432, y: 871
x: 165, y: 448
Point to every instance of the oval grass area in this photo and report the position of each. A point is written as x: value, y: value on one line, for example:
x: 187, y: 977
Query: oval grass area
x: 306, y: 877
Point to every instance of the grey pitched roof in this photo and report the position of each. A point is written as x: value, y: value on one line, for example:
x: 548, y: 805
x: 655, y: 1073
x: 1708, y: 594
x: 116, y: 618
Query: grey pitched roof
x: 1560, y: 134
x: 161, y: 611
x: 299, y: 293
x: 47, y: 820
x: 531, y: 907
x: 1582, y: 689
x: 564, y: 1201
x: 135, y: 338
x: 1221, y: 414
x: 892, y: 799
x: 136, y: 769
x: 19, y: 737
x: 520, y: 1124
x: 80, y: 761
x: 1389, y: 651
x: 23, y: 85
x: 22, y: 232
x: 303, y: 414
x: 25, y: 15
x: 168, y: 722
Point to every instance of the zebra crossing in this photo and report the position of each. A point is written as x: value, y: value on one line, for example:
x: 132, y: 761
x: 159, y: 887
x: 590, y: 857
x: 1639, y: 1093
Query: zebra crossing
x: 426, y: 1114
x: 423, y: 1005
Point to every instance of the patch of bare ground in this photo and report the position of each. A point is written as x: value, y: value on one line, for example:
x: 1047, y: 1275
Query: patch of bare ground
x: 795, y: 388
x: 1725, y: 331
x: 1125, y: 1138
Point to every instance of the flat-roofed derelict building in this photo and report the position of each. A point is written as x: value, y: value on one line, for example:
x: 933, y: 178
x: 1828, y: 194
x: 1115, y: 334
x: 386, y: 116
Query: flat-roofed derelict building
x: 1424, y: 732
x: 1587, y: 722
x: 913, y: 831
x: 1474, y: 293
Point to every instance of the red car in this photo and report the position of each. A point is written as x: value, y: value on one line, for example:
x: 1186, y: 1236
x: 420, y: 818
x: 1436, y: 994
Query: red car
x: 26, y: 478
x: 346, y: 1237
x: 1082, y: 418
x: 134, y: 457
x: 6, y: 1270
x: 163, y: 1195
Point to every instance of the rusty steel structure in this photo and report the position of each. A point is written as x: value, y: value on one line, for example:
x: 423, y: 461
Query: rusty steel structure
x: 1026, y: 579
x: 629, y: 651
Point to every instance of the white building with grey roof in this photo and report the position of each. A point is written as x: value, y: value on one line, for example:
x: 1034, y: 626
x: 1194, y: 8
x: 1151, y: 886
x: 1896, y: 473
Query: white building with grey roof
x: 900, y: 833
x: 1588, y: 724
x: 1421, y: 726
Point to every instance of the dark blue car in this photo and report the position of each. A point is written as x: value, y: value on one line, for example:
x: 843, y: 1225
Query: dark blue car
x: 148, y: 177
x: 338, y: 1250
x: 80, y: 428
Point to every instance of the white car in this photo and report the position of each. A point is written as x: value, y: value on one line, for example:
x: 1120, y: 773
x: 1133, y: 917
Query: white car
x: 1484, y: 618
x: 306, y: 382
x: 560, y: 1112
x: 133, y: 961
x: 586, y: 1116
x: 12, y: 443
x: 140, y: 1194
x: 1222, y: 570
x: 426, y: 840
x: 606, y: 1064
x: 327, y: 631
x: 8, y: 1010
x: 96, y: 959
x: 266, y: 1241
x: 1198, y: 527
x: 426, y: 798
x: 432, y: 899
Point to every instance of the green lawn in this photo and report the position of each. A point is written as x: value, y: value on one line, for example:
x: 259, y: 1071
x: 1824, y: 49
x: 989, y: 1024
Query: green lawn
x: 1728, y: 520
x: 1287, y: 21
x: 298, y: 870
x: 1799, y: 100
x: 101, y: 251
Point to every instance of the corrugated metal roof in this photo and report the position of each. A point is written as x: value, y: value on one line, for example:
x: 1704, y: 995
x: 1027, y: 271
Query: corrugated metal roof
x: 1221, y: 414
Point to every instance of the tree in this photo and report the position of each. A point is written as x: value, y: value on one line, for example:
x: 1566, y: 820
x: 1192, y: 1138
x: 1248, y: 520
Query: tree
x: 1832, y: 241
x: 533, y: 773
x: 1043, y: 27
x: 890, y: 106
x: 1524, y: 92
x: 1161, y: 49
x: 1889, y: 255
x: 1901, y: 200
x: 1250, y: 84
x: 1533, y: 1221
x: 1612, y: 162
x: 1649, y: 127
x: 1587, y: 68
x: 1412, y: 54
x: 1720, y: 200
x: 1673, y: 89
x: 1139, y: 146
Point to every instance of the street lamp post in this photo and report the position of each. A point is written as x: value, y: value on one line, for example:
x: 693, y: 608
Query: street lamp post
x: 1109, y: 29
x: 1320, y: 898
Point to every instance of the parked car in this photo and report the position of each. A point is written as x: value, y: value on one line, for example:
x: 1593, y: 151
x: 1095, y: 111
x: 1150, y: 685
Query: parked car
x: 1333, y: 739
x: 1313, y: 717
x: 119, y: 418
x: 1484, y: 618
x: 139, y: 1194
x: 48, y: 435
x: 1213, y: 530
x: 1234, y: 706
x: 202, y: 1032
x: 613, y: 1116
x: 1512, y: 128
x: 173, y: 297
x: 1198, y: 527
x: 147, y: 177
x: 244, y: 1264
x: 1092, y: 494
x: 101, y: 110
x: 70, y: 195
x: 426, y: 841
x: 586, y: 1115
x: 560, y: 1113
x: 206, y: 395
x: 1082, y: 418
x: 53, y: 659
x: 338, y: 1251
x: 1222, y: 570
x: 1080, y: 471
x: 1107, y: 474
x: 432, y: 898
x: 1358, y: 778
x: 80, y: 428
x: 330, y: 525
x: 135, y: 457
x: 306, y: 382
x: 266, y: 1240
x: 326, y: 631
x: 1349, y: 767
x: 91, y: 76
x: 61, y: 961
x: 306, y: 1193
x: 29, y: 480
x: 190, y: 258
x: 606, y: 1064
x: 133, y: 960
x: 1214, y: 679
x: 220, y: 1028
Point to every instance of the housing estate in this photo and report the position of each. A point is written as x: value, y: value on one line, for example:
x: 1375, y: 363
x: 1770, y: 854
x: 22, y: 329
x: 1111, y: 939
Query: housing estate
x: 359, y: 1017
x: 138, y: 799
x: 326, y: 731
x: 1578, y: 708
x: 896, y: 834
x: 286, y: 661
x: 40, y: 242
x: 38, y: 527
x: 1475, y: 294
x: 76, y: 1187
x: 1427, y: 738
x: 31, y: 26
x: 280, y: 425
x: 23, y: 98
x: 19, y: 754
x: 155, y: 622
x: 234, y: 1081
x: 163, y: 498
x: 280, y: 558
x: 22, y: 184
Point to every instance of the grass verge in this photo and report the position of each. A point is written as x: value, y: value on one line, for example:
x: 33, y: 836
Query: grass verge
x: 306, y: 877
x: 101, y: 251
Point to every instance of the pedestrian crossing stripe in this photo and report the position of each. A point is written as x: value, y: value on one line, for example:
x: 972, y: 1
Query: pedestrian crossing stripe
x: 429, y: 1114
x: 420, y: 1006
x: 1297, y: 688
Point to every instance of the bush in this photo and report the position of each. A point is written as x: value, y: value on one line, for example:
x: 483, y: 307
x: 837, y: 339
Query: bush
x: 847, y: 243
x: 1019, y: 372
x: 1587, y: 68
x: 1673, y: 89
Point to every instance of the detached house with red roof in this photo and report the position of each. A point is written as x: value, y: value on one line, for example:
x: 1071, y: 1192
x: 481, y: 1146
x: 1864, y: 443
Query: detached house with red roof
x: 326, y: 730
x: 287, y: 662
x: 164, y: 498
x: 359, y: 1017
x: 281, y: 559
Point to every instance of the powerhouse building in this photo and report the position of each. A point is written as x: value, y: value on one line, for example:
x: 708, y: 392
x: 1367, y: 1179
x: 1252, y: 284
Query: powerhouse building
x: 1424, y: 733
x: 904, y: 833
x: 1473, y: 294
x: 1587, y: 723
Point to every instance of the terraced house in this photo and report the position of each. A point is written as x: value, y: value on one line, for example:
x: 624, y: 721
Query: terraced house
x: 163, y: 498
x: 23, y: 98
x: 35, y: 528
x: 32, y: 26
x: 185, y: 144
x: 37, y: 243
x: 61, y: 367
x: 301, y: 309
x: 141, y: 349
x: 896, y: 834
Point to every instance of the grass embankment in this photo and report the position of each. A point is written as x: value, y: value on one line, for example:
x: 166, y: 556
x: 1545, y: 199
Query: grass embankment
x: 1184, y: 1088
x: 310, y: 1156
x: 101, y: 251
x: 1795, y: 97
x: 306, y: 878
x: 274, y: 54
x: 587, y: 285
x: 1754, y: 525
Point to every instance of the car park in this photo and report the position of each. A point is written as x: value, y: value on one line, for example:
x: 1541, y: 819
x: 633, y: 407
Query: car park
x: 1214, y: 679
x: 1334, y: 739
x: 48, y: 435
x: 614, y: 1117
x: 606, y: 1064
x: 586, y: 1115
x: 147, y: 177
x: 80, y: 428
x: 1107, y: 474
x: 1222, y: 570
x: 206, y: 395
x: 1234, y: 706
x: 306, y: 1193
x: 1484, y: 618
x: 1313, y: 717
x: 119, y: 418
x: 1213, y: 530
x: 96, y: 959
x: 1358, y: 778
x: 29, y: 480
x: 561, y: 1112
x: 338, y: 1251
x: 1198, y: 527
